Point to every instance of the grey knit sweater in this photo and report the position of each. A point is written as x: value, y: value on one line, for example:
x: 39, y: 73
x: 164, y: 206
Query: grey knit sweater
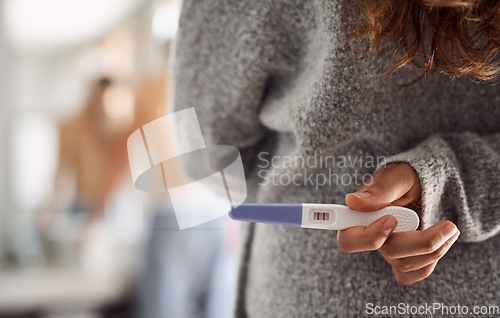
x: 277, y: 79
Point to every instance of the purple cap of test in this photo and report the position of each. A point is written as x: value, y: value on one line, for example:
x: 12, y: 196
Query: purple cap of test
x: 273, y: 213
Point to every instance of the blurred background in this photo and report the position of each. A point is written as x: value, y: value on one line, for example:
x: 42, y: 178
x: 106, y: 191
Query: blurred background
x: 77, y: 77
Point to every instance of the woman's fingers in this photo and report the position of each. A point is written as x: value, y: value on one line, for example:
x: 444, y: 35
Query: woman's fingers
x: 378, y: 174
x: 412, y: 243
x: 413, y: 277
x: 366, y: 238
x: 413, y: 263
x: 389, y: 184
x: 414, y: 255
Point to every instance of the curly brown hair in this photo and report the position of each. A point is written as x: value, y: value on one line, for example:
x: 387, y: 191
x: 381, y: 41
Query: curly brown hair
x: 464, y: 34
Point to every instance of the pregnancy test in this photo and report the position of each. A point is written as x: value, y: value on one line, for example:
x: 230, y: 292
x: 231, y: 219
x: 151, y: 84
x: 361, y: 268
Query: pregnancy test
x: 321, y: 216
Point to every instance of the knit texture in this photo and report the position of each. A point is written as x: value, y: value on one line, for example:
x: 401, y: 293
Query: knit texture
x: 279, y: 79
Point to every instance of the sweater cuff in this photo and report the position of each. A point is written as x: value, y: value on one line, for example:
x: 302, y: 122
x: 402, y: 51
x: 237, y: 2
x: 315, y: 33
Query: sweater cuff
x: 430, y: 166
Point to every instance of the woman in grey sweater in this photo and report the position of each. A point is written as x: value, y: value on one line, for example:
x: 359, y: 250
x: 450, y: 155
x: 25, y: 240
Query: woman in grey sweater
x: 313, y: 117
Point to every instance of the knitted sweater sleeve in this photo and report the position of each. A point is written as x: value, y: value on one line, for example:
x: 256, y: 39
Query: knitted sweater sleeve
x: 460, y: 178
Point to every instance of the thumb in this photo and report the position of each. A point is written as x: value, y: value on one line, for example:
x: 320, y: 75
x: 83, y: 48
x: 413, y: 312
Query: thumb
x: 383, y: 188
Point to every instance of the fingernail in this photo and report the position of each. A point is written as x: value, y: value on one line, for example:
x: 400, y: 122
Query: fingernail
x: 390, y: 225
x: 361, y: 195
x: 453, y: 238
x: 449, y: 229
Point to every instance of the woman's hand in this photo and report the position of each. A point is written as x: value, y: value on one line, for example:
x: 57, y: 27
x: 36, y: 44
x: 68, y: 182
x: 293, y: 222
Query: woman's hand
x: 413, y: 255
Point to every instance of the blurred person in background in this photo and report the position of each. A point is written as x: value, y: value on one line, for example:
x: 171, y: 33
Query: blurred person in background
x: 182, y: 278
x: 92, y: 151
